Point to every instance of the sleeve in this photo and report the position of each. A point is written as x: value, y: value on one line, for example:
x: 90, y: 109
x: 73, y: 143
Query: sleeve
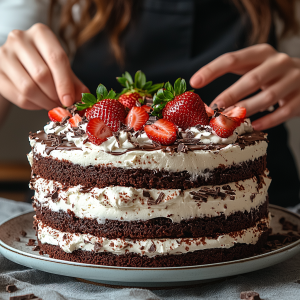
x: 21, y: 14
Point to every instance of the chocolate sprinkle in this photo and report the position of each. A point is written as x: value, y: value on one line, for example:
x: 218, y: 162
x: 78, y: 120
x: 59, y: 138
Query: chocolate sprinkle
x: 204, y: 192
x: 146, y: 194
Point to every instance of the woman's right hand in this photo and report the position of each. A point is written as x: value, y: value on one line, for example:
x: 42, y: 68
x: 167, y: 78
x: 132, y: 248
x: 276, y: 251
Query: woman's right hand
x: 35, y: 72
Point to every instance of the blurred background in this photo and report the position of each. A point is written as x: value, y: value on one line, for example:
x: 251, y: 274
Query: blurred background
x: 14, y: 128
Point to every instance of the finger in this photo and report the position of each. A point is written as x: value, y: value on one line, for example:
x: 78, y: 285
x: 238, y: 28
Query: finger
x: 289, y: 110
x: 270, y: 96
x: 58, y: 62
x: 37, y: 69
x: 79, y: 88
x: 9, y: 91
x: 266, y: 72
x: 237, y: 62
x: 25, y: 86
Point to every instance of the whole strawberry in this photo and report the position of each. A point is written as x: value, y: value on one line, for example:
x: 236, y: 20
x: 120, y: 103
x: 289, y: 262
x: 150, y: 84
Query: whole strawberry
x: 184, y: 109
x: 135, y: 91
x: 105, y: 107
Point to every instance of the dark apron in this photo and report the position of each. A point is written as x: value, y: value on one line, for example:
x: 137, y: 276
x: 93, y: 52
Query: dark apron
x: 174, y: 38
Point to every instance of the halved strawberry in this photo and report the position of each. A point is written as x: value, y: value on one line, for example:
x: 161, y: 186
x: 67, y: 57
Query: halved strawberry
x: 209, y: 111
x: 58, y: 113
x: 129, y: 99
x: 111, y: 111
x: 162, y: 131
x: 147, y: 108
x: 136, y: 118
x: 223, y: 126
x: 97, y: 131
x: 75, y: 120
x: 237, y: 113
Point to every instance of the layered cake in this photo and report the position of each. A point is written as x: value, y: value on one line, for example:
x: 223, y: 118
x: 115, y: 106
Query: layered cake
x: 120, y: 183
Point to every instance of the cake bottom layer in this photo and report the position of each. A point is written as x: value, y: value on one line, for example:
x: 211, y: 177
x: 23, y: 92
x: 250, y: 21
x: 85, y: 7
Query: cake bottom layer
x: 200, y: 257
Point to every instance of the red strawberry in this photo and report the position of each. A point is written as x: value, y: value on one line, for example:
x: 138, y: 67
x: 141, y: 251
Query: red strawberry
x: 237, y: 113
x: 74, y: 121
x: 162, y: 131
x: 81, y: 113
x: 129, y: 99
x: 186, y: 110
x: 97, y: 131
x: 209, y: 111
x: 136, y: 118
x: 223, y: 126
x: 147, y: 108
x: 111, y: 111
x: 58, y: 113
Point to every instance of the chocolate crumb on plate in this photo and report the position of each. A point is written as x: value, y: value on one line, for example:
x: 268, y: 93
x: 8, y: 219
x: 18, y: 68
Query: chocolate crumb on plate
x: 286, y: 225
x: 11, y: 288
x: 36, y: 248
x: 250, y: 295
x: 25, y: 297
x: 297, y: 281
x: 31, y: 242
x: 17, y: 239
x: 23, y: 233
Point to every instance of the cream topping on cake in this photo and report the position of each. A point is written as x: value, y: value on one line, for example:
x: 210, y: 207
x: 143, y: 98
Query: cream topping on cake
x: 132, y: 204
x: 70, y: 242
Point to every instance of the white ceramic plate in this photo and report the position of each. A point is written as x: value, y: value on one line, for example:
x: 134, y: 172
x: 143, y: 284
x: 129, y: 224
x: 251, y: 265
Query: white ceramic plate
x: 140, y: 277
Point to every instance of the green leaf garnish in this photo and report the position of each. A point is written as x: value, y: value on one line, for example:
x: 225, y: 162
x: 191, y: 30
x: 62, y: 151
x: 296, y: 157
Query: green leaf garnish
x: 163, y: 96
x: 88, y: 100
x: 139, y: 85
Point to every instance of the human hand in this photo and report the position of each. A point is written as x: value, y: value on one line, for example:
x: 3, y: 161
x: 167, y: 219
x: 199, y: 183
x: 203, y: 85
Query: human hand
x: 35, y: 72
x: 262, y: 67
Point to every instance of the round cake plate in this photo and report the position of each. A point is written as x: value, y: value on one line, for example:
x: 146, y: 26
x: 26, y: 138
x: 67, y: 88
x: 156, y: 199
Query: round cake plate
x: 139, y: 277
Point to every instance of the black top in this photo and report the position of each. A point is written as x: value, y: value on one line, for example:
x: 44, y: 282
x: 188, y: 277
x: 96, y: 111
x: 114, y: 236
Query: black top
x: 174, y: 38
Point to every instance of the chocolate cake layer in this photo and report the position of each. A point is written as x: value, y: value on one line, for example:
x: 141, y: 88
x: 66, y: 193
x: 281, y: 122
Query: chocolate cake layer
x: 68, y: 174
x: 200, y: 257
x: 154, y: 228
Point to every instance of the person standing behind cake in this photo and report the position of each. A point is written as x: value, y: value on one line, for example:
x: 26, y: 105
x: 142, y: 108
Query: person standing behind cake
x: 226, y: 48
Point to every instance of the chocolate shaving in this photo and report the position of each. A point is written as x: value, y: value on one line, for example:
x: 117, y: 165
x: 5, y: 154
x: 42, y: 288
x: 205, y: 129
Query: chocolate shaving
x: 55, y: 140
x: 156, y: 144
x: 286, y: 225
x: 252, y: 196
x: 11, y: 288
x: 72, y: 109
x: 31, y: 242
x: 151, y: 120
x: 188, y: 141
x: 97, y: 247
x: 85, y: 189
x: 182, y: 148
x: 54, y: 196
x: 64, y: 120
x: 116, y: 135
x: 146, y: 194
x: 36, y: 248
x: 203, y: 127
x: 148, y: 101
x: 190, y: 135
x: 160, y: 197
x: 204, y: 192
x: 152, y: 248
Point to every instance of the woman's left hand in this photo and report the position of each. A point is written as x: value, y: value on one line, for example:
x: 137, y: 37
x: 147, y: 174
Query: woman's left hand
x: 262, y: 67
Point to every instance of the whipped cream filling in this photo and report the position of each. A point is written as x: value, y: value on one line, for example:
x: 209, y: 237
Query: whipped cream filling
x: 197, y: 162
x: 130, y: 204
x: 70, y: 242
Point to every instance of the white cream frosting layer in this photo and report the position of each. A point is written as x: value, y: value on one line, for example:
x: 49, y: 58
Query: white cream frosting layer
x: 70, y: 242
x: 129, y: 204
x: 197, y: 162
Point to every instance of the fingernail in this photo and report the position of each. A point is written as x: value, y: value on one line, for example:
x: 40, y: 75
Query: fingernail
x: 67, y: 100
